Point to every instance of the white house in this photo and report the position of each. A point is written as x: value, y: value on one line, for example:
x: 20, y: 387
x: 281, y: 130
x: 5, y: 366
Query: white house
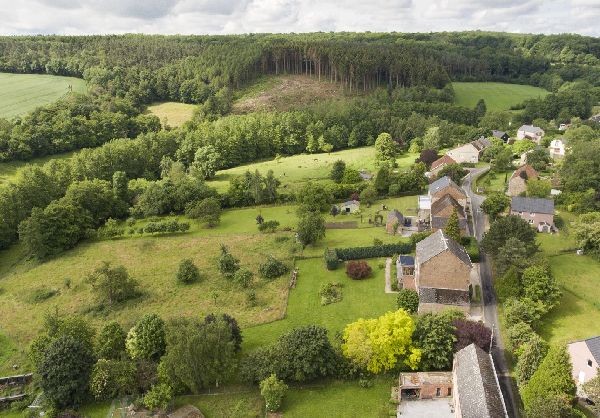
x: 585, y: 356
x: 469, y: 153
x: 530, y: 132
x: 557, y: 148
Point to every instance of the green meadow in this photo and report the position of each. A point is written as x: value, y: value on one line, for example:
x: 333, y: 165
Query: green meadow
x: 497, y: 96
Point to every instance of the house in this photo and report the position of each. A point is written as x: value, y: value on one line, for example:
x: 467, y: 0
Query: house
x: 585, y: 357
x: 350, y: 206
x: 564, y: 126
x: 445, y: 186
x: 471, y: 152
x: 501, y: 135
x: 440, y: 163
x: 405, y: 272
x: 558, y: 147
x: 475, y: 384
x: 425, y: 385
x: 442, y: 274
x: 442, y: 209
x: 530, y: 132
x: 538, y: 212
x: 394, y: 222
x: 518, y: 181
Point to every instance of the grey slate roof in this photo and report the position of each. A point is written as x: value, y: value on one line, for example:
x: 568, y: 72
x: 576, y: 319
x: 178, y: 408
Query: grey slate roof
x: 441, y: 184
x: 437, y: 243
x: 438, y: 222
x: 443, y: 296
x: 406, y: 260
x: 593, y: 345
x: 531, y: 129
x: 445, y: 201
x: 395, y: 215
x: 476, y: 384
x: 498, y: 134
x: 481, y: 143
x: 532, y: 205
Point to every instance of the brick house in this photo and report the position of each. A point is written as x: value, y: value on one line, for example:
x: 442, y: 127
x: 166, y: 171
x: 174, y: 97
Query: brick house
x: 518, y: 181
x: 445, y: 186
x: 471, y: 152
x: 585, y: 357
x: 442, y: 209
x: 440, y: 163
x: 538, y: 212
x: 530, y: 132
x: 442, y: 274
x: 394, y: 222
x: 425, y: 385
x: 475, y: 384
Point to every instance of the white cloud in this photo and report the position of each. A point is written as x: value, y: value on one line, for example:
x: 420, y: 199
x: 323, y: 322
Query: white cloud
x: 241, y: 16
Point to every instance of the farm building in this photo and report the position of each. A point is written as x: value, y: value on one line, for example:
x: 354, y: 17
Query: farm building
x: 518, y: 181
x: 425, y: 385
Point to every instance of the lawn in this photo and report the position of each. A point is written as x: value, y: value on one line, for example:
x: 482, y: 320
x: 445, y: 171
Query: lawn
x: 578, y: 315
x: 497, y: 96
x: 295, y: 170
x: 492, y: 182
x: 21, y: 93
x: 238, y: 402
x: 173, y: 114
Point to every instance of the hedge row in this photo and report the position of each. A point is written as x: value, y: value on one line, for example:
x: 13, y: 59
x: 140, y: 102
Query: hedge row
x: 375, y: 251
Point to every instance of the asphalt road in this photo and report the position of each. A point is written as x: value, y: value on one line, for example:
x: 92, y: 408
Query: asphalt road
x: 490, y: 309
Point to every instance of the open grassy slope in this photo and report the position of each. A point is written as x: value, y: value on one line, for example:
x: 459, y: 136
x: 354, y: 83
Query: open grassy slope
x: 287, y: 92
x: 10, y: 171
x: 295, y: 170
x: 172, y: 114
x: 21, y: 93
x: 497, y: 96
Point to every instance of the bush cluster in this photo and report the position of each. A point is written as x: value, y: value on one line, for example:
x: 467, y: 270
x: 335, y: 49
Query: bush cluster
x: 358, y: 269
x: 272, y: 268
x: 166, y: 227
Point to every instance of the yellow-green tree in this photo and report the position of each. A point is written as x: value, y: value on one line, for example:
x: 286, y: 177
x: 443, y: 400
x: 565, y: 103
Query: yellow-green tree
x: 378, y: 344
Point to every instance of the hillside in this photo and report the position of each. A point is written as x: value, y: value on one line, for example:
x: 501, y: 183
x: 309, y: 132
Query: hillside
x: 497, y: 96
x: 21, y: 93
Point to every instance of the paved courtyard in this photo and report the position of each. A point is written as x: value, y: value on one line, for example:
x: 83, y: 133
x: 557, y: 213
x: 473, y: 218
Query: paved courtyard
x: 426, y: 408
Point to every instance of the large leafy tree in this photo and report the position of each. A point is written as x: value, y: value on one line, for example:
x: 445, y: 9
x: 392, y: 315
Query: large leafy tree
x: 207, y: 210
x: 552, y: 378
x: 378, y: 344
x: 503, y: 229
x: 146, y: 340
x: 110, y: 342
x: 435, y: 337
x: 200, y: 354
x: 112, y: 284
x: 455, y: 171
x: 471, y: 332
x: 337, y: 171
x: 311, y: 228
x: 495, y: 204
x: 540, y: 285
x: 65, y: 371
x: 386, y: 149
x: 530, y: 356
x: 513, y: 254
x: 452, y: 228
x: 207, y: 160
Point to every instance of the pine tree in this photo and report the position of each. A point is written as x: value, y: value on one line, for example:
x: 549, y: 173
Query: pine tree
x: 452, y: 227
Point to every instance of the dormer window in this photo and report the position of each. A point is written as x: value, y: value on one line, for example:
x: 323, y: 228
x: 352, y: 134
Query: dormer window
x: 590, y: 363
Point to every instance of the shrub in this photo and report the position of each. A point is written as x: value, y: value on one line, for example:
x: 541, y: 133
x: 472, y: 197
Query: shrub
x: 268, y: 226
x: 110, y: 343
x: 518, y: 334
x: 187, y: 272
x: 113, y: 284
x: 110, y: 229
x: 41, y: 294
x: 111, y: 378
x: 531, y: 355
x: 146, y: 340
x: 408, y: 300
x: 332, y: 261
x: 165, y: 227
x: 243, y: 277
x: 273, y: 390
x: 228, y: 264
x: 272, y: 268
x: 509, y: 285
x: 358, y: 269
x: 158, y: 397
x: 207, y: 211
x: 376, y: 251
x: 468, y: 332
x: 330, y: 293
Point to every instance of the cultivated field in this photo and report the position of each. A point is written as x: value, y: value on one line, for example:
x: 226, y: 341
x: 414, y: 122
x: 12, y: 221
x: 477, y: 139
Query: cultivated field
x: 497, y: 96
x: 21, y: 93
x: 173, y: 114
x: 287, y: 92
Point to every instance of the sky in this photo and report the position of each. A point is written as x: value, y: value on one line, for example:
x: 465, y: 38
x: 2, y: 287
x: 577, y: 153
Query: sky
x: 80, y: 17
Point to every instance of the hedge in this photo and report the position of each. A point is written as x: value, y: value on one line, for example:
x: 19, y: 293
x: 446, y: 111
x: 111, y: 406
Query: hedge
x: 331, y: 259
x: 386, y: 250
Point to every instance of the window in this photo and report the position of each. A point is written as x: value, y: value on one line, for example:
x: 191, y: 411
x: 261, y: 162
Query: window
x: 530, y: 221
x: 438, y: 392
x: 533, y: 214
x: 590, y: 363
x: 449, y: 391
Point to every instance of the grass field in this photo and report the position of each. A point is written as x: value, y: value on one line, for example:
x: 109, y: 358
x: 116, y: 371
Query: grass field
x: 295, y: 170
x: 497, y: 96
x: 492, y: 182
x: 173, y: 114
x: 21, y: 93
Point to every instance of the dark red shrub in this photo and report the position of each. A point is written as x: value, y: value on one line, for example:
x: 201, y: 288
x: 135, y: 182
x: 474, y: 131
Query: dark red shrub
x: 358, y: 269
x: 468, y: 332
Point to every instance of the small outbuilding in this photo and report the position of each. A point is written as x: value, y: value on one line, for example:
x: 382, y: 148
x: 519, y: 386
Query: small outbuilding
x: 351, y: 206
x: 394, y: 222
x: 425, y: 385
x: 405, y: 272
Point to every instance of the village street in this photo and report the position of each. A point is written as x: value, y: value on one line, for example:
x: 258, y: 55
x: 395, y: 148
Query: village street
x: 489, y: 296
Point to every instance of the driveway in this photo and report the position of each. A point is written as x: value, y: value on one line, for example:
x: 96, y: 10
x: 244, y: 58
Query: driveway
x: 490, y: 309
